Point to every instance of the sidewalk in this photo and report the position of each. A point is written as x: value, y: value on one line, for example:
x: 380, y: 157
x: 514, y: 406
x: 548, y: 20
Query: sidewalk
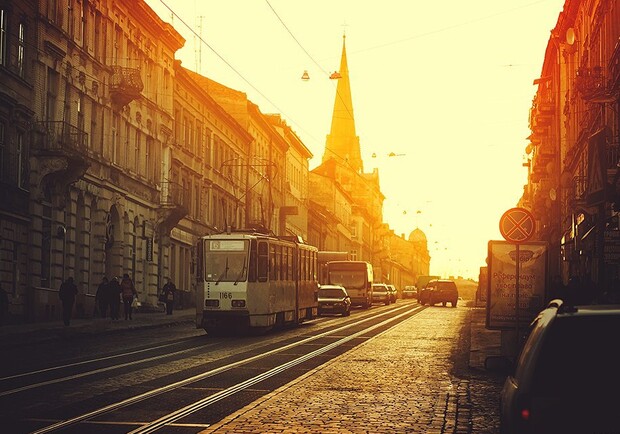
x: 40, y: 332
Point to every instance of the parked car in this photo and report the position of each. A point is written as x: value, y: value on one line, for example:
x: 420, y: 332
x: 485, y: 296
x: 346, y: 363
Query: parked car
x: 442, y: 291
x: 393, y: 293
x: 566, y: 378
x: 334, y: 299
x: 380, y: 293
x: 410, y: 291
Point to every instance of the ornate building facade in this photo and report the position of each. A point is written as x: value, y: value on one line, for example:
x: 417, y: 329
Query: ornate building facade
x: 573, y: 188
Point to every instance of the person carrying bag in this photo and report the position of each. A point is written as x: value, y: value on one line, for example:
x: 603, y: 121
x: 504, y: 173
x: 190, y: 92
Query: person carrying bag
x: 128, y: 292
x: 168, y: 293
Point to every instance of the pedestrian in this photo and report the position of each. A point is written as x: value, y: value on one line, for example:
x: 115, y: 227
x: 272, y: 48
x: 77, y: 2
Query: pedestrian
x: 67, y: 293
x: 114, y: 297
x: 4, y: 305
x: 102, y: 297
x: 168, y: 292
x: 128, y: 292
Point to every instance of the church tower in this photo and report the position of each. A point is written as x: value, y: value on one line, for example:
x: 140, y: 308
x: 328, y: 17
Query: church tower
x: 342, y: 144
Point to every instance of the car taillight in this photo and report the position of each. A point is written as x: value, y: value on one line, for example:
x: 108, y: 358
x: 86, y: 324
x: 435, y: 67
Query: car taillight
x: 525, y: 414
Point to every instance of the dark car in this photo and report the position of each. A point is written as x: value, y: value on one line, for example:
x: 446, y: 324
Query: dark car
x: 566, y: 378
x: 380, y: 293
x: 334, y: 299
x: 442, y: 291
x: 393, y: 293
x: 423, y: 295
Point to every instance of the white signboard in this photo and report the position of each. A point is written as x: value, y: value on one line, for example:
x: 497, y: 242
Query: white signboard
x: 502, y: 283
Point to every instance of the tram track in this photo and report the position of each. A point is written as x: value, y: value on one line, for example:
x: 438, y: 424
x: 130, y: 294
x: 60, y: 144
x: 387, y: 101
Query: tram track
x: 198, y: 405
x: 203, y: 403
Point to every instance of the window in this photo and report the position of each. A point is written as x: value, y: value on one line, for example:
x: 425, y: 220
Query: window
x: 150, y: 165
x: 116, y: 139
x: 22, y: 162
x: 94, y: 133
x: 137, y: 147
x: 52, y: 94
x: 263, y: 261
x: 21, y: 49
x: 3, y: 29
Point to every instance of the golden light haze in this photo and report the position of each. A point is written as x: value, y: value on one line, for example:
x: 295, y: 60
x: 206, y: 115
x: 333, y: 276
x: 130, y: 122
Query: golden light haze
x: 445, y: 86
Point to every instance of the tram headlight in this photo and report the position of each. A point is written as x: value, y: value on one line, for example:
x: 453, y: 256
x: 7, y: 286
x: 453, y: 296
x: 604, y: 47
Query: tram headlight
x: 238, y: 303
x: 212, y: 303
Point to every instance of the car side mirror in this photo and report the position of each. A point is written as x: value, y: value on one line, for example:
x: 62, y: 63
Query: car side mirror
x: 499, y: 364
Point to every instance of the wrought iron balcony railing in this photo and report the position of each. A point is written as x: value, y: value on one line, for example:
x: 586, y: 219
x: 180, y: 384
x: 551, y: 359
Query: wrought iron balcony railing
x: 174, y: 195
x: 125, y: 85
x: 60, y: 136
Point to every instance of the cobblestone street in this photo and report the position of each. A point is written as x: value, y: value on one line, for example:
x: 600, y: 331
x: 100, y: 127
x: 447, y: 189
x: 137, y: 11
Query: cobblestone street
x: 415, y: 378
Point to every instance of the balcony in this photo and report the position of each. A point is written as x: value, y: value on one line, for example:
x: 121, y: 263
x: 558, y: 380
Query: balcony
x: 592, y: 85
x: 60, y: 153
x: 173, y: 205
x: 125, y: 86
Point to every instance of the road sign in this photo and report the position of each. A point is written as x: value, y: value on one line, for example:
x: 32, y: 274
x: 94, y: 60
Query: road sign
x: 517, y: 225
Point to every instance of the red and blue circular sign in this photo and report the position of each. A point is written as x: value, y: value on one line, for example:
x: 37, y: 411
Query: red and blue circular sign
x: 517, y: 225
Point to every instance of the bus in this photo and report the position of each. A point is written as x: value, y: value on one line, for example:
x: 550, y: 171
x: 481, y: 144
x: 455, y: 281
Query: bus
x: 356, y: 277
x: 251, y: 280
x: 324, y: 256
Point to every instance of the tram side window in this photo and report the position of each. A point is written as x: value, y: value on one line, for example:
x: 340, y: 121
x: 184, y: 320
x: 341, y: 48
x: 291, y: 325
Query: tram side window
x: 253, y: 261
x: 263, y: 262
x: 276, y: 263
x: 200, y: 249
x: 272, y: 262
x: 284, y: 263
x: 290, y: 263
x: 304, y: 265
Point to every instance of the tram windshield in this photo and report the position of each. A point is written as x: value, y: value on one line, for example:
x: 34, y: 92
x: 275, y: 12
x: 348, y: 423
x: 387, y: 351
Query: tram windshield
x: 226, y: 260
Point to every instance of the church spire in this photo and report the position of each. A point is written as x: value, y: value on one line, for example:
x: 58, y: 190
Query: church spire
x: 342, y: 143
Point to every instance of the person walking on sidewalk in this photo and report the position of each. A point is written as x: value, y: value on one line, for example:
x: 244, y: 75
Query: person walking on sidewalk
x: 102, y: 297
x: 128, y: 292
x: 67, y: 294
x: 168, y: 292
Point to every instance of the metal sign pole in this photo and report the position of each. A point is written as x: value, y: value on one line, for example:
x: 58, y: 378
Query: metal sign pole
x: 517, y: 261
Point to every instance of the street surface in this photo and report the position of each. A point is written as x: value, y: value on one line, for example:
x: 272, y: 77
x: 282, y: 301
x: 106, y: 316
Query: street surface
x: 396, y: 368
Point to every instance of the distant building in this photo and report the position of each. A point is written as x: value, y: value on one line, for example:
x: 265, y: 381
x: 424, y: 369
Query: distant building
x: 340, y: 183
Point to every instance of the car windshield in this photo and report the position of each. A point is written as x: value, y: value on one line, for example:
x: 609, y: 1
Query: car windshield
x: 331, y: 293
x: 379, y: 288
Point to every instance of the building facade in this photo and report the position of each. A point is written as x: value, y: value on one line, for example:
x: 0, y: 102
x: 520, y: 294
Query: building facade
x: 572, y: 186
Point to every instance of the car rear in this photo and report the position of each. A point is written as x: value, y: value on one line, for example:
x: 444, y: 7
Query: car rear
x: 566, y: 379
x: 380, y: 293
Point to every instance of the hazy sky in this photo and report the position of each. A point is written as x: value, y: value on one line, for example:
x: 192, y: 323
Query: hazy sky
x: 447, y: 85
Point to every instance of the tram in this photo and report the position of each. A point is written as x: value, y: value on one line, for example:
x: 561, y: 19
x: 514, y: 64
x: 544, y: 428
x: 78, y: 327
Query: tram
x: 249, y: 280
